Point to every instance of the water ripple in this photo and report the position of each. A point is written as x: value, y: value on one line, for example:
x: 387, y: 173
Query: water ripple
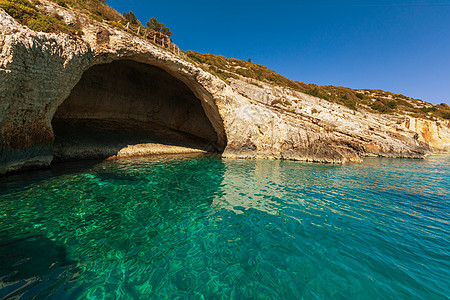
x: 202, y: 227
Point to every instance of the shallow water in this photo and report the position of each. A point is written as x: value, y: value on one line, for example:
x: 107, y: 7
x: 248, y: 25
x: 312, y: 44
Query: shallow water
x: 201, y: 227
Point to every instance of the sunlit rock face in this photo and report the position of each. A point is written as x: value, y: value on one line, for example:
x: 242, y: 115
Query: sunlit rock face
x: 110, y: 93
x: 313, y: 129
x: 36, y: 71
x: 435, y: 133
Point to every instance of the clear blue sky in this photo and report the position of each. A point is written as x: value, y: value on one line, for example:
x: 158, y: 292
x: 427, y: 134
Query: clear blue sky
x: 398, y: 46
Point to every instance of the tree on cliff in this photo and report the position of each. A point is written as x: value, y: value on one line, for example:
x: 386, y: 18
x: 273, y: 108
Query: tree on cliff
x: 130, y: 17
x: 159, y: 27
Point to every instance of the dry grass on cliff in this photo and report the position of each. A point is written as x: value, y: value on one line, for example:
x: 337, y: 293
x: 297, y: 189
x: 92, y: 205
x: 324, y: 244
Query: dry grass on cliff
x: 230, y: 67
x: 95, y: 9
x: 372, y: 100
x: 28, y: 14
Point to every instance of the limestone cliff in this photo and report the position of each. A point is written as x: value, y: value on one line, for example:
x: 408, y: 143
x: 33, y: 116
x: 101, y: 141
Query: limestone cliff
x: 113, y: 85
x: 435, y: 133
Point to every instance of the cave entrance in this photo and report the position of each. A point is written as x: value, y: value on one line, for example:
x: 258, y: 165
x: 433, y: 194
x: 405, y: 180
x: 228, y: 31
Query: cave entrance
x: 127, y: 108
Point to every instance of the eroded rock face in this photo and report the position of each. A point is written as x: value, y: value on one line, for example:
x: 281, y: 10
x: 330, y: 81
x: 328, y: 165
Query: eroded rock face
x: 435, y: 134
x: 131, y: 81
x: 36, y: 72
x: 303, y: 127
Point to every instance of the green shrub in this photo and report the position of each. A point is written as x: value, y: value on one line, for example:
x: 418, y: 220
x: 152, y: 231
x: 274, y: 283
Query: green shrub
x: 20, y: 10
x: 349, y: 102
x: 316, y: 93
x: 27, y: 14
x: 378, y: 106
x: 61, y: 3
x: 403, y: 102
x: 445, y: 115
x: 226, y: 74
x: 116, y: 24
x: 95, y: 17
x: 392, y: 104
x: 222, y: 74
x: 382, y: 106
x: 429, y: 109
x: 95, y: 9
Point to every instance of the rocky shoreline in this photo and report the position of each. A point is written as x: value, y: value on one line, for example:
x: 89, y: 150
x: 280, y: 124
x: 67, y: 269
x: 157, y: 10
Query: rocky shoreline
x: 44, y: 76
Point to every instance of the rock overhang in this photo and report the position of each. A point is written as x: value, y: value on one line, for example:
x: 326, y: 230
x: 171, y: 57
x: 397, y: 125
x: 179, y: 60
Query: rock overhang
x: 39, y: 71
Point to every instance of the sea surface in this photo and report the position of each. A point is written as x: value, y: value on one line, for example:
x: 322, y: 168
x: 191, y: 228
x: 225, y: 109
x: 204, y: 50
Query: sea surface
x: 202, y: 227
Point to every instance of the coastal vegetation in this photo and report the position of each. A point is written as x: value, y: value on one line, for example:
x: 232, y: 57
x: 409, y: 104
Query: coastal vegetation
x: 153, y: 24
x: 95, y: 9
x: 27, y: 14
x: 130, y: 17
x: 377, y: 101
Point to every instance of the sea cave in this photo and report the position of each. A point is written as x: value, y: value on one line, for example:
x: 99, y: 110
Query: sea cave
x: 126, y: 104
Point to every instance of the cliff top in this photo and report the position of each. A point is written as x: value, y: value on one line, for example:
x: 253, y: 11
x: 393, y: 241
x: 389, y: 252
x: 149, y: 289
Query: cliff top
x: 31, y: 14
x: 377, y: 101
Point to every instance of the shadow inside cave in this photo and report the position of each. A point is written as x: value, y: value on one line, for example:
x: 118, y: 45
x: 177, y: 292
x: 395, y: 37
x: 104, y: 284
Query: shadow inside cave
x: 77, y: 139
x: 127, y: 108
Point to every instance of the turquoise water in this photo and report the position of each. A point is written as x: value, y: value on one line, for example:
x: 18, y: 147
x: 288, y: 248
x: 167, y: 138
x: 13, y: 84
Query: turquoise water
x: 204, y: 228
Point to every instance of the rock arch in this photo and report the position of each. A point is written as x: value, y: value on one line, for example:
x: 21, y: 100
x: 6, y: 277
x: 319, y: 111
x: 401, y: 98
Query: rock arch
x: 126, y: 103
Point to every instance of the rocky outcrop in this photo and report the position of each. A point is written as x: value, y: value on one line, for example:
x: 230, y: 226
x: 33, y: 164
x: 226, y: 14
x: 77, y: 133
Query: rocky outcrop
x: 435, y: 133
x: 302, y: 127
x: 109, y: 77
x: 37, y: 72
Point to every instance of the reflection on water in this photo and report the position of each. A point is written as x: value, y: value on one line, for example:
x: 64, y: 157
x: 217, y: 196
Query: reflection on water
x: 200, y: 226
